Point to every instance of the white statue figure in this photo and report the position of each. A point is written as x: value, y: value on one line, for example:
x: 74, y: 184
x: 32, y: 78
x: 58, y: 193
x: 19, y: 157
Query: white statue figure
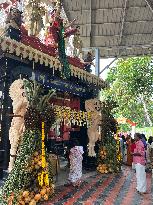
x: 93, y: 106
x: 20, y: 104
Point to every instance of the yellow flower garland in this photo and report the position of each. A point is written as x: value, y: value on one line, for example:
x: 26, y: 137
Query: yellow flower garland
x: 79, y: 118
x: 43, y: 177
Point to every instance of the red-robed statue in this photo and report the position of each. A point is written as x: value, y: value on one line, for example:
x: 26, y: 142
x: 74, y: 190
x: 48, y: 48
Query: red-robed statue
x: 53, y: 36
x: 57, y: 33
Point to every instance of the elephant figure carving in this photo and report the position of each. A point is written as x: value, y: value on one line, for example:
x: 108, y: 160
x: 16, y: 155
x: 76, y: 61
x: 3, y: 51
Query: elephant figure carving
x: 93, y: 106
x: 20, y: 104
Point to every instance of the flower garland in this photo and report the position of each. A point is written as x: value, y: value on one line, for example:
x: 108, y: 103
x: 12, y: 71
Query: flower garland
x: 43, y: 177
x: 73, y: 117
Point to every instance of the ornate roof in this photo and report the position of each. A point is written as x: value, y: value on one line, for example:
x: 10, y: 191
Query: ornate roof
x: 47, y: 58
x: 117, y: 27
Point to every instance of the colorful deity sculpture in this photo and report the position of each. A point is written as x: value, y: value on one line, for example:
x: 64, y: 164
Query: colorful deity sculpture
x: 20, y: 104
x: 56, y: 25
x: 13, y: 24
x: 93, y: 106
x: 88, y: 61
x: 57, y: 32
x: 52, y: 35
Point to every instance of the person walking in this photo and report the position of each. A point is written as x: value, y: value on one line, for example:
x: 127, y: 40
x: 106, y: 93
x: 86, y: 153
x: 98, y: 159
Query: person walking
x: 76, y: 158
x: 140, y: 161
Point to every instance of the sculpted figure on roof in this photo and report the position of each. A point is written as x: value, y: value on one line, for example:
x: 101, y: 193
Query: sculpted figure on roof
x: 13, y: 24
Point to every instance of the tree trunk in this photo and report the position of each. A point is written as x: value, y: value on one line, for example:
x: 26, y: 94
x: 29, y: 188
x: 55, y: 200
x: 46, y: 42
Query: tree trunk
x: 146, y: 112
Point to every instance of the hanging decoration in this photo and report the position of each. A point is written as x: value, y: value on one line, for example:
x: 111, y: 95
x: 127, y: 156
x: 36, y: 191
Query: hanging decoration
x: 109, y: 156
x: 118, y: 146
x: 73, y: 117
x: 31, y: 179
x: 20, y: 49
x: 62, y: 53
x: 77, y: 44
x: 43, y: 176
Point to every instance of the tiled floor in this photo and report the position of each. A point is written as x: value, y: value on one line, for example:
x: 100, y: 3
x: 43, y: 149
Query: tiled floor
x: 96, y: 189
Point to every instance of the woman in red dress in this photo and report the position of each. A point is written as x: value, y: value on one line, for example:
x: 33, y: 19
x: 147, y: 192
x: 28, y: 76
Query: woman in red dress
x: 129, y: 156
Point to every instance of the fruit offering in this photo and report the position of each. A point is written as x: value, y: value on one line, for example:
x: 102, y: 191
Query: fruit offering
x: 35, y: 193
x: 102, y: 168
x: 103, y: 153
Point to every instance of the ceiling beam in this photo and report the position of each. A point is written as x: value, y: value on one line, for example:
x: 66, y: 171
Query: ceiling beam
x: 124, y: 46
x: 123, y: 22
x: 125, y: 55
x: 108, y: 65
x: 150, y: 4
x: 116, y: 22
x: 116, y: 35
x: 111, y: 8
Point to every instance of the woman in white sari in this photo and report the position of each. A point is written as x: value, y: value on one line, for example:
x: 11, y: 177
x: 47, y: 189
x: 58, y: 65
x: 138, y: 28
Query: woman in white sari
x: 76, y: 158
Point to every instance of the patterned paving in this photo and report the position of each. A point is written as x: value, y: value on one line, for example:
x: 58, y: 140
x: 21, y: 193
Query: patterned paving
x: 98, y: 189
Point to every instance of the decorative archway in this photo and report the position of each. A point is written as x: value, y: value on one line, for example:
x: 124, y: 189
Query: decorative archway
x: 123, y: 120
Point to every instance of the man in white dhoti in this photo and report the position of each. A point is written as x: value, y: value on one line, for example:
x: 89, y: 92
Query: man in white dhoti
x: 140, y: 161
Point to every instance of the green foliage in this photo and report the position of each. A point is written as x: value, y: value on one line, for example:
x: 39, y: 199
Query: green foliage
x: 108, y: 143
x: 37, y: 96
x: 131, y: 88
x: 19, y: 177
x: 62, y: 54
x: 39, y: 107
x: 108, y: 123
x: 24, y: 175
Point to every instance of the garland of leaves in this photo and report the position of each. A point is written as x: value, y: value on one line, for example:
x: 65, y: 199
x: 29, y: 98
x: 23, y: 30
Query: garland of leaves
x: 108, y: 156
x: 39, y: 107
x: 62, y: 54
x: 22, y: 185
x: 19, y: 177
